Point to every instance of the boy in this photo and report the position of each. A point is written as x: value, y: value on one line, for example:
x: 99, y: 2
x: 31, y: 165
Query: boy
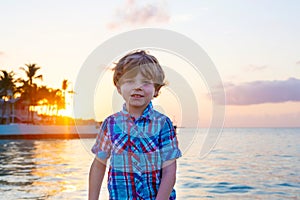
x: 140, y: 142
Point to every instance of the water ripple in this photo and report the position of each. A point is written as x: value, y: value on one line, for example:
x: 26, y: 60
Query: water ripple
x: 225, y: 187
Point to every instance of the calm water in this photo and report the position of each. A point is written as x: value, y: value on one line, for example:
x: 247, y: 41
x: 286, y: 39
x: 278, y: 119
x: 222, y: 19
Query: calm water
x: 245, y: 164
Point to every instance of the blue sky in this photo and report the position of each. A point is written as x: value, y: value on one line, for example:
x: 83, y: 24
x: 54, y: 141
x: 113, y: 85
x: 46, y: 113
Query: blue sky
x: 250, y: 42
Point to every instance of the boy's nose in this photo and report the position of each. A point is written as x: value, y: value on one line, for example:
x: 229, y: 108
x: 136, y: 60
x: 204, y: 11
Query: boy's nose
x: 138, y: 85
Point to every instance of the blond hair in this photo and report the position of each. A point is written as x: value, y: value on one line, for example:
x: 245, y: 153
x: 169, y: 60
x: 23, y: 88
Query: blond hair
x: 139, y: 61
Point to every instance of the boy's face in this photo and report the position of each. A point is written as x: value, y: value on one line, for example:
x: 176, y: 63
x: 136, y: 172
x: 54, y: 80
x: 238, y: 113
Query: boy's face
x: 137, y: 91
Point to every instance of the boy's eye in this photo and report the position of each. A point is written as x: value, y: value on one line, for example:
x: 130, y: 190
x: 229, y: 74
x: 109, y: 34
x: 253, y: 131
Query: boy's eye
x: 147, y: 81
x: 128, y: 81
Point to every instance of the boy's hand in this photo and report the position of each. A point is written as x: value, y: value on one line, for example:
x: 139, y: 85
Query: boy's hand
x: 167, y: 181
x: 97, y: 172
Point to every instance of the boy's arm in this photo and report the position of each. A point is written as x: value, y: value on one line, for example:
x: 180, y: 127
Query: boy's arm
x: 96, y: 175
x: 167, y: 181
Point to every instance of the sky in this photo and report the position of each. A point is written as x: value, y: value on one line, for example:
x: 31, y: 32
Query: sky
x: 254, y: 45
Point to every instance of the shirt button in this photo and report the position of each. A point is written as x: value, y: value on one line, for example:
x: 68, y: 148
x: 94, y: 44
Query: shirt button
x: 135, y: 163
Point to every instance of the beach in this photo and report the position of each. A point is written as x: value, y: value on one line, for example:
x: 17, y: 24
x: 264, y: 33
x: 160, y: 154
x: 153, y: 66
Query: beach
x: 246, y: 163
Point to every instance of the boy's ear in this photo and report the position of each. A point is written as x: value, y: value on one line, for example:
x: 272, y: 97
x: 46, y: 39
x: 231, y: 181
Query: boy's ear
x: 119, y: 90
x: 155, y: 93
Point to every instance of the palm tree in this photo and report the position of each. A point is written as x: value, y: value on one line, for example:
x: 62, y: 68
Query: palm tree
x: 29, y: 87
x: 7, y: 82
x: 7, y: 90
x: 43, y: 98
x: 64, y: 87
x: 31, y: 72
x: 65, y: 84
x: 60, y: 100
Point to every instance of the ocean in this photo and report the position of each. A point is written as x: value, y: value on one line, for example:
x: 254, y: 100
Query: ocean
x: 245, y: 163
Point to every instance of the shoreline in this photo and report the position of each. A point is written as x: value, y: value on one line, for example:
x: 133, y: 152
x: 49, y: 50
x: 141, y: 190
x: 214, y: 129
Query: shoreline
x: 28, y: 131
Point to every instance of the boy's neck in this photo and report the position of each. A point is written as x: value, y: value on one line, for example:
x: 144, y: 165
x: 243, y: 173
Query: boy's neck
x: 135, y: 112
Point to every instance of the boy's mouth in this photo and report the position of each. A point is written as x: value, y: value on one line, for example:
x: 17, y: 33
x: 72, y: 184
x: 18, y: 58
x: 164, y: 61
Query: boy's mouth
x: 136, y: 95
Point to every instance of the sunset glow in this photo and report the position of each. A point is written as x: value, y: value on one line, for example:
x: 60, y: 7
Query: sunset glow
x: 256, y: 55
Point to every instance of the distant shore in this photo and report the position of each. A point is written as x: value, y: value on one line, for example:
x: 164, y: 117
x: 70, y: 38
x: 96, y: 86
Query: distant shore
x: 28, y: 131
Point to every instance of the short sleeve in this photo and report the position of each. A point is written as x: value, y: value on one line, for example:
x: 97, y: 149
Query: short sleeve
x: 102, y: 146
x: 168, y: 142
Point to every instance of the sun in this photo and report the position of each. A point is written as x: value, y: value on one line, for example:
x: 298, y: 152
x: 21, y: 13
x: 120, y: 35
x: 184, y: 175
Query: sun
x: 68, y: 112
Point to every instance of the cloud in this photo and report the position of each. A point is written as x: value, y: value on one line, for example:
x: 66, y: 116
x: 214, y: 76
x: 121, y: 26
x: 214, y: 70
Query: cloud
x: 254, y: 68
x: 259, y: 92
x: 134, y: 14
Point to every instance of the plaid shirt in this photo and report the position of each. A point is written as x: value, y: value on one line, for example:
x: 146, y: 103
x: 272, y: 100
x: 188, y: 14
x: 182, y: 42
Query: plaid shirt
x: 137, y: 149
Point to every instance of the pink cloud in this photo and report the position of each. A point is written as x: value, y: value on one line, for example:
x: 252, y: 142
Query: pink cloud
x: 258, y: 92
x: 133, y: 14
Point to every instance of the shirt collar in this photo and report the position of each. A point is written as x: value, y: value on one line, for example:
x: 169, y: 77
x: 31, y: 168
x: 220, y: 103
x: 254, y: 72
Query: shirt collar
x: 147, y: 113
